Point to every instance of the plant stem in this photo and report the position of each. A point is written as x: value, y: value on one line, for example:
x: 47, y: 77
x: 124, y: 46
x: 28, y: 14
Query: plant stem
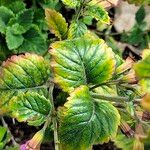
x: 78, y: 13
x: 110, y: 98
x: 55, y: 134
x: 106, y: 83
x: 8, y: 130
x: 54, y: 117
x: 114, y: 98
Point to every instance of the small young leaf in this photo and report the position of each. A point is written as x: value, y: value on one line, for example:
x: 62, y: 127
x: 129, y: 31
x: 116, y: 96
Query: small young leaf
x: 140, y: 15
x: 13, y: 40
x: 5, y: 15
x: 20, y: 74
x: 87, y: 20
x: 56, y: 23
x: 30, y: 107
x: 77, y: 29
x: 71, y: 3
x: 81, y: 61
x: 98, y: 12
x: 84, y: 122
x: 33, y: 42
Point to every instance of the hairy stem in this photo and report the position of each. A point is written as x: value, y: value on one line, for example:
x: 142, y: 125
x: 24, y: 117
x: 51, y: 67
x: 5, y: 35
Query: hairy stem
x: 55, y: 134
x: 106, y: 83
x: 79, y: 10
x: 110, y: 98
x: 54, y: 117
x: 114, y: 98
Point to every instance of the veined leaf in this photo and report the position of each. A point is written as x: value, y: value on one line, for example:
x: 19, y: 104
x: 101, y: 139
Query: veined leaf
x: 13, y: 40
x: 4, y: 137
x: 25, y: 19
x: 71, y: 3
x: 84, y: 122
x: 56, y: 23
x: 5, y: 15
x: 76, y: 29
x: 30, y: 107
x: 81, y: 61
x: 33, y: 42
x: 16, y: 5
x: 17, y: 29
x: 20, y: 74
x: 98, y: 12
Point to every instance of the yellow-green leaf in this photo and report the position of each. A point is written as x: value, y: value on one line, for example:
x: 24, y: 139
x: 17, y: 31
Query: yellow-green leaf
x: 98, y: 12
x: 71, y: 3
x: 81, y: 61
x: 77, y: 29
x: 84, y: 122
x: 56, y: 23
x: 142, y: 70
x: 30, y: 107
x: 20, y: 74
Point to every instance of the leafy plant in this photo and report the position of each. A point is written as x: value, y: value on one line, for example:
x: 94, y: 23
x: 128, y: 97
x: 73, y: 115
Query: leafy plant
x: 101, y: 96
x: 140, y: 29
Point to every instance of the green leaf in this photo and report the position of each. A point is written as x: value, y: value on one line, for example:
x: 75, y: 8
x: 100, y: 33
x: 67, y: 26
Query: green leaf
x: 81, y: 61
x: 124, y: 142
x: 30, y: 107
x: 16, y: 5
x: 98, y: 12
x: 77, y: 29
x: 25, y: 19
x: 20, y: 74
x: 140, y: 15
x: 87, y: 20
x: 33, y: 42
x: 84, y: 122
x: 13, y: 40
x: 4, y: 137
x: 17, y: 29
x: 56, y: 23
x: 5, y: 15
x: 141, y: 40
x: 72, y: 3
